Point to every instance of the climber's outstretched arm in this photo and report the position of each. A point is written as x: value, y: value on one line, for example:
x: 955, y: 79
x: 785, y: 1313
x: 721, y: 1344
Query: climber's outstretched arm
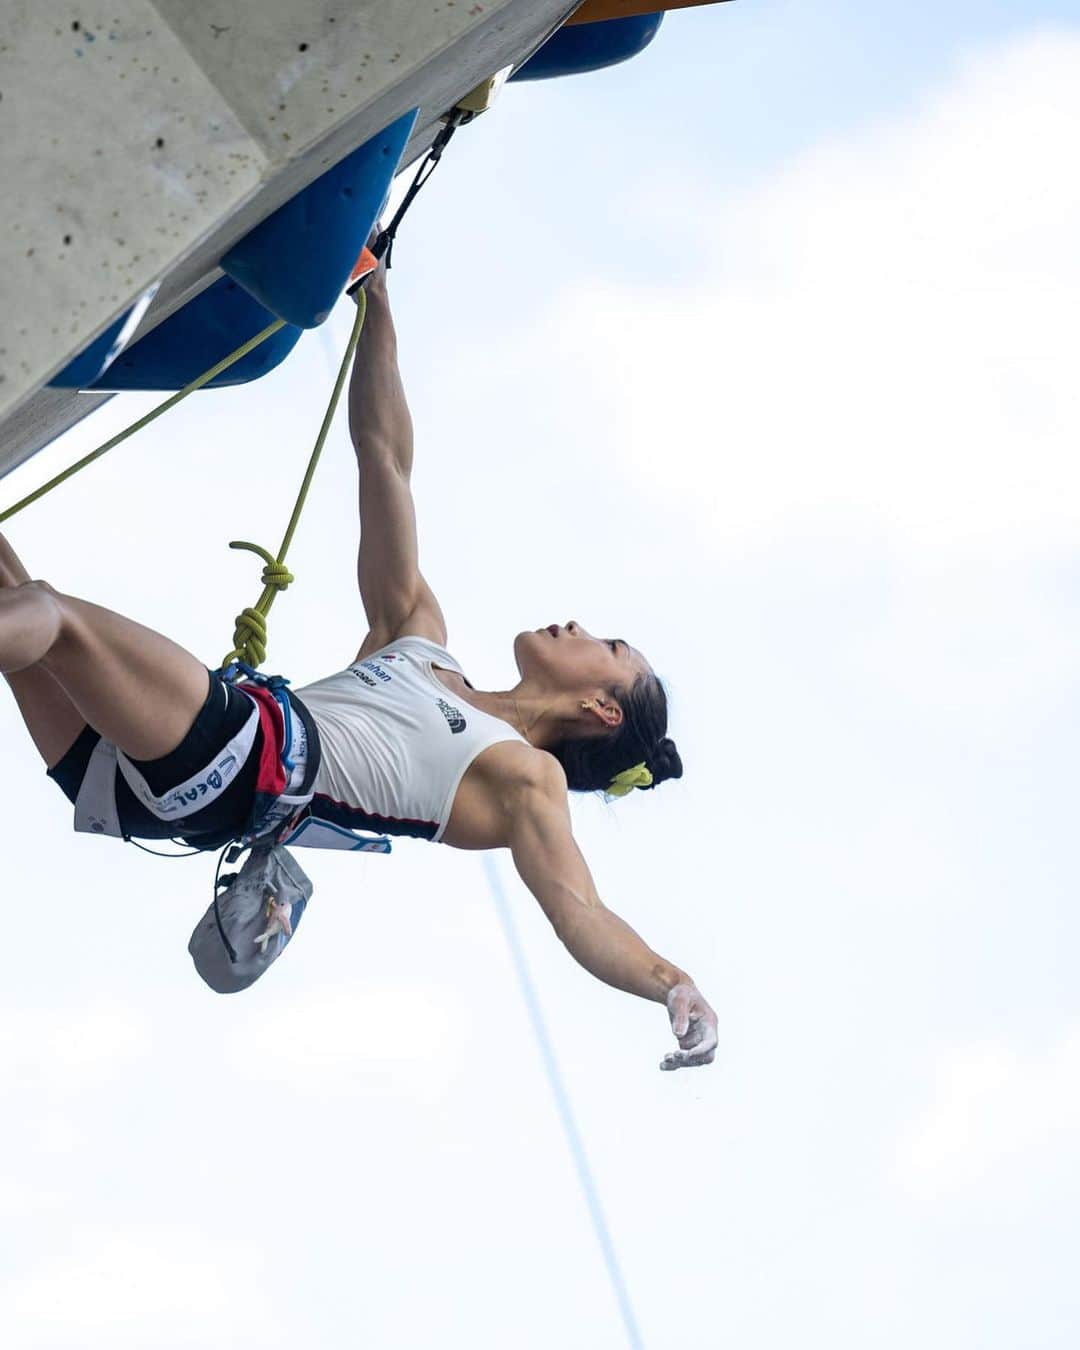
x: 396, y: 598
x: 550, y: 863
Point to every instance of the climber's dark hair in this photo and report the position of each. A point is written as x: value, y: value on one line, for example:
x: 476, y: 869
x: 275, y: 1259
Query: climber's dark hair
x: 592, y: 762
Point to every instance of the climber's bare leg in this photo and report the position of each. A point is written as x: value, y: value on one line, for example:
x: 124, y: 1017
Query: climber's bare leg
x: 136, y: 687
x: 51, y: 718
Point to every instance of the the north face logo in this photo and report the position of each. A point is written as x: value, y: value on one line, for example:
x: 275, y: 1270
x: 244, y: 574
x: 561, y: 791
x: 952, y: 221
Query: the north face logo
x: 453, y: 715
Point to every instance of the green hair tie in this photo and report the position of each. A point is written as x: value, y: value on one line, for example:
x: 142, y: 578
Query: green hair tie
x: 622, y: 783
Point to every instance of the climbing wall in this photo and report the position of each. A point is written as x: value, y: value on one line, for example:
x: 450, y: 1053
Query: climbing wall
x: 146, y: 138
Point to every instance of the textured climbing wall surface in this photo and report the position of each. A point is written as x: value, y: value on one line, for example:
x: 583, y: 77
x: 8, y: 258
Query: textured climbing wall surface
x: 118, y: 153
x: 139, y: 140
x: 290, y: 69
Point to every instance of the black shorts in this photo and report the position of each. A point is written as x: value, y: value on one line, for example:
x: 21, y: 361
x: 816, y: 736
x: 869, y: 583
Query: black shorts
x: 222, y: 715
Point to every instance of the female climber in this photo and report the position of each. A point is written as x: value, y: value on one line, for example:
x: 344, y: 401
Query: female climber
x: 402, y: 742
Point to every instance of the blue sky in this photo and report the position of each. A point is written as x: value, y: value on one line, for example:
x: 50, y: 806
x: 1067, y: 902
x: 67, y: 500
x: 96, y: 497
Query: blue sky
x: 724, y: 95
x: 757, y: 351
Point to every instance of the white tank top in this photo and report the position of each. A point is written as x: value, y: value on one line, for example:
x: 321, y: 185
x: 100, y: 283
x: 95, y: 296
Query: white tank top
x: 395, y: 741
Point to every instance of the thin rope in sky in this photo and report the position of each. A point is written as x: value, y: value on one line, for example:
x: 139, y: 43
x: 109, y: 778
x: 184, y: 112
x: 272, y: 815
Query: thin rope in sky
x: 562, y: 1103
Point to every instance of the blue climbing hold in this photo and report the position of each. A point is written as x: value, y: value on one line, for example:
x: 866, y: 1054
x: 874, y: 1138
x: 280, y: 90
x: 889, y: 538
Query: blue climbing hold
x: 297, y: 261
x: 92, y: 362
x: 293, y: 266
x: 198, y: 336
x: 590, y: 46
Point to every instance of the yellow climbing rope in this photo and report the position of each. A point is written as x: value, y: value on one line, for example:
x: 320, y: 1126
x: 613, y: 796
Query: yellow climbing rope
x: 198, y: 383
x: 249, y: 635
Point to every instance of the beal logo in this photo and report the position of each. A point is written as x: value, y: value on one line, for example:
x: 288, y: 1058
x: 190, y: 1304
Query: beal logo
x: 213, y: 782
x: 453, y: 715
x: 390, y: 656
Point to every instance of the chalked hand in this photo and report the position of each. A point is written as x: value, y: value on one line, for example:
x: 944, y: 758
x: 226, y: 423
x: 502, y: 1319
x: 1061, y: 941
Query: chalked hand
x: 694, y: 1025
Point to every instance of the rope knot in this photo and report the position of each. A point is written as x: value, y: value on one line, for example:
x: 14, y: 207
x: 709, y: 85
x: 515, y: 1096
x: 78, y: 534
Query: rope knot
x: 277, y: 575
x: 249, y: 637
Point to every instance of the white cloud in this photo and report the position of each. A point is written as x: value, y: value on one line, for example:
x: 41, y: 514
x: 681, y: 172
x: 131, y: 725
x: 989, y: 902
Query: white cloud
x: 875, y: 357
x: 405, y: 1039
x: 55, y: 1067
x: 880, y: 335
x: 969, y: 640
x: 23, y: 1200
x: 995, y: 1109
x: 141, y: 1287
x: 60, y: 1053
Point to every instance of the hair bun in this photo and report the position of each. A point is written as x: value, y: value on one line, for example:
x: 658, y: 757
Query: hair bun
x: 664, y: 762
